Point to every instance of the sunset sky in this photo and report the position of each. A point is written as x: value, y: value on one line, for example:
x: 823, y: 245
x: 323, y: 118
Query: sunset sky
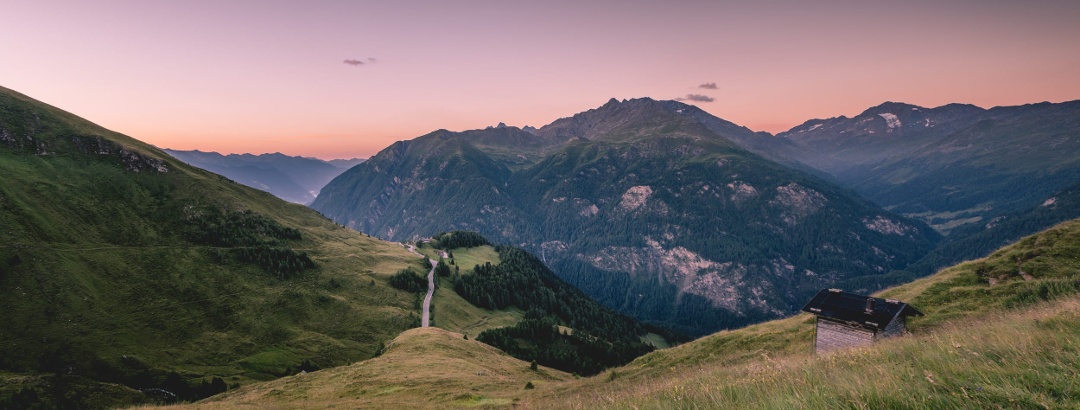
x: 337, y: 79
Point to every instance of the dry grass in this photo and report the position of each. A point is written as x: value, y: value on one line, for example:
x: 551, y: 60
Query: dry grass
x: 421, y: 368
x: 1022, y: 359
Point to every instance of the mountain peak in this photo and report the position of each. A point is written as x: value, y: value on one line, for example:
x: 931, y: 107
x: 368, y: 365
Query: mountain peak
x: 891, y: 107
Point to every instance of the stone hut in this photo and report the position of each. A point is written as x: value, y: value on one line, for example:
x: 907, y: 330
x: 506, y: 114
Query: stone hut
x: 847, y: 319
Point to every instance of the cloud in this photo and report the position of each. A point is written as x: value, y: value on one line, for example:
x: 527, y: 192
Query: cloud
x: 708, y: 86
x: 357, y: 63
x: 696, y: 98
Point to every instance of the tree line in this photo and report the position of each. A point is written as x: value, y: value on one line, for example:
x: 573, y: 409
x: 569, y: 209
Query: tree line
x: 249, y: 237
x: 600, y: 338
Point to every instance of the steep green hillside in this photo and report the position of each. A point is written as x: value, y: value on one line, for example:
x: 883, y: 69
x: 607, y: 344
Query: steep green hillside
x: 643, y: 205
x: 120, y: 264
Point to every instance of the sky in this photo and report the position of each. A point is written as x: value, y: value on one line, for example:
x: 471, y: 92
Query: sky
x: 342, y: 79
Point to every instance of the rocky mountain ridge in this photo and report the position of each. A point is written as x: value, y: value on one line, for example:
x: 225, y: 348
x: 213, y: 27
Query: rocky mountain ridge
x: 641, y: 205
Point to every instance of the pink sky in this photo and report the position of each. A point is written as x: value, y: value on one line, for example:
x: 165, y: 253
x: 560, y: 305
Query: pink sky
x: 269, y: 76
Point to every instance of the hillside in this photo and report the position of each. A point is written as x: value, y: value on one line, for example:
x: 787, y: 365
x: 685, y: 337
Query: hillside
x: 421, y: 368
x: 999, y: 332
x: 294, y: 179
x: 642, y: 204
x: 122, y: 268
x: 552, y: 323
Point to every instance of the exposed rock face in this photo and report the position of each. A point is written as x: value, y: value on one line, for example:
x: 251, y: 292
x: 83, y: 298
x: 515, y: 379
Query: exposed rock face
x: 132, y: 160
x: 887, y: 226
x: 741, y: 191
x: 635, y: 197
x: 6, y: 137
x: 689, y: 271
x: 136, y: 162
x: 590, y: 210
x: 798, y: 202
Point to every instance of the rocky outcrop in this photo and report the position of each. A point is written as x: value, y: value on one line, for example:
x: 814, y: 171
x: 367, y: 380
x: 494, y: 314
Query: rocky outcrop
x: 133, y: 161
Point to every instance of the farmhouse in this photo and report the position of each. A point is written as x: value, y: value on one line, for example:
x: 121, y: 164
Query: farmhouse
x: 848, y: 319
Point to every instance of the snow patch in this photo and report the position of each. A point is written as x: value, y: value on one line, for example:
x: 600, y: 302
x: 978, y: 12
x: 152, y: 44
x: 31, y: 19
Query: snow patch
x: 816, y: 126
x: 1050, y: 201
x: 890, y: 120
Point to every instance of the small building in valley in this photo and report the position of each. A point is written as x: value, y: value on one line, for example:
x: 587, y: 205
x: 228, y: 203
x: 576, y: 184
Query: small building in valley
x: 847, y: 319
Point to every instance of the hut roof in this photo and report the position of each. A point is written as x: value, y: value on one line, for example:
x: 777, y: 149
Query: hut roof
x: 865, y: 311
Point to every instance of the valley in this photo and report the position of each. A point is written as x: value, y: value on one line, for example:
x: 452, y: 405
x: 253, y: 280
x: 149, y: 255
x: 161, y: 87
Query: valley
x: 539, y: 205
x: 294, y: 179
x: 132, y: 278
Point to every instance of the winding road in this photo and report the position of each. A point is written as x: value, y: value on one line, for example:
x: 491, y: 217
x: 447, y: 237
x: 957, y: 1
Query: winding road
x: 425, y: 319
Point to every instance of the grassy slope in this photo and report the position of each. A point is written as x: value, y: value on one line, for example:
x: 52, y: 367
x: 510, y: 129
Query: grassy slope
x: 979, y: 345
x: 1013, y: 344
x: 1020, y: 359
x: 421, y: 368
x: 454, y: 313
x: 95, y: 271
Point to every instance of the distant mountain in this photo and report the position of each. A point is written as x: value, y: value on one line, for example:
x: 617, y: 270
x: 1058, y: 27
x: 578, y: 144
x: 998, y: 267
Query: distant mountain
x: 949, y: 166
x: 127, y: 276
x: 648, y: 206
x: 294, y: 179
x: 976, y: 240
x: 346, y: 163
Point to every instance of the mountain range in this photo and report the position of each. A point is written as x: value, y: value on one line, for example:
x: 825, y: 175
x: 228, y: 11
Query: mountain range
x: 640, y: 203
x: 658, y: 208
x: 294, y: 179
x: 983, y: 177
x: 949, y: 166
